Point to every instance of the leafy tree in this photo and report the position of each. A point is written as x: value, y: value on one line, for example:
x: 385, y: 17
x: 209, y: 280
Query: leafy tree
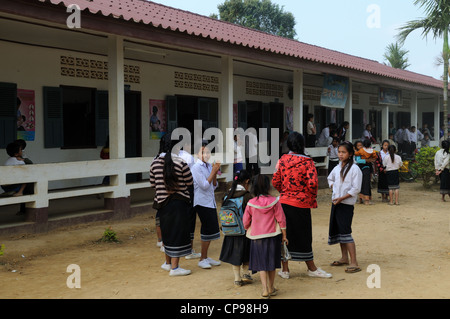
x: 261, y: 15
x: 436, y: 23
x: 396, y: 56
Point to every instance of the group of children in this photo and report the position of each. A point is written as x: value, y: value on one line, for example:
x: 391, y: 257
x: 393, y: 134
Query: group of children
x: 385, y: 164
x: 264, y: 220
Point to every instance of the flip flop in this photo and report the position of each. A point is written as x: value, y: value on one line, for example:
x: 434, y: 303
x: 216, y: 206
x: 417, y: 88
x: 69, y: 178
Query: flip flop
x: 352, y: 270
x: 338, y: 263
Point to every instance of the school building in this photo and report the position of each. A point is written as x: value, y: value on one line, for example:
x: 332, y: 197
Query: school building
x: 75, y: 73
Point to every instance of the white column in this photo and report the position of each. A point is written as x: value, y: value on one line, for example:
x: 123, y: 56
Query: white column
x: 226, y: 113
x: 437, y: 114
x: 385, y: 123
x: 348, y: 111
x: 298, y: 101
x: 414, y: 110
x: 116, y: 97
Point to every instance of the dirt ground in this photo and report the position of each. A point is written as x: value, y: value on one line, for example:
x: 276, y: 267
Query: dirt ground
x: 410, y: 244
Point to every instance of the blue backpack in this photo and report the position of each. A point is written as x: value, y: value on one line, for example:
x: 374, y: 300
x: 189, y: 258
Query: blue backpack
x: 230, y: 217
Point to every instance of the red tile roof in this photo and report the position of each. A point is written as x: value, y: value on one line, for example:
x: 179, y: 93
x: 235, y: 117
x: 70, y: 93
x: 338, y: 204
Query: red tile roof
x: 178, y: 20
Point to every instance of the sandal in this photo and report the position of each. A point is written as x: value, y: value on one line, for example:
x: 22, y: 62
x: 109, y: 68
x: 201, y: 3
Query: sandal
x: 274, y: 292
x: 352, y: 270
x: 338, y: 263
x: 265, y: 296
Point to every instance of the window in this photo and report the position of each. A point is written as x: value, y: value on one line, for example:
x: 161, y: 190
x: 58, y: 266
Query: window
x: 75, y: 117
x: 8, y: 113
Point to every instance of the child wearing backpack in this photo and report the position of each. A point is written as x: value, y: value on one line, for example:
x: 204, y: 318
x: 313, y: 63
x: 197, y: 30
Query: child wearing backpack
x: 236, y: 248
x: 265, y: 221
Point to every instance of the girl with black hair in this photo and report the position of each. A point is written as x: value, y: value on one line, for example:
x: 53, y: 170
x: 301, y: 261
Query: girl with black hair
x: 441, y: 164
x: 171, y: 177
x: 345, y: 180
x: 393, y: 162
x: 297, y: 181
x: 236, y: 249
x: 265, y: 223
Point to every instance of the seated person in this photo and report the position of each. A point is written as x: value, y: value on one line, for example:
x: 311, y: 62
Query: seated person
x: 14, y: 150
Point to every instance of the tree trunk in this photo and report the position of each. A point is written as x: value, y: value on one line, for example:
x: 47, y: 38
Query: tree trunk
x: 446, y: 66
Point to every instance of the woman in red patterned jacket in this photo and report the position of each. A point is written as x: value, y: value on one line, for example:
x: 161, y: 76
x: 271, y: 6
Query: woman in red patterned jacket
x: 296, y: 180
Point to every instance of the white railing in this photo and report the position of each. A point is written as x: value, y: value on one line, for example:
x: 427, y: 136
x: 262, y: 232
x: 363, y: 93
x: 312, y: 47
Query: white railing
x: 42, y: 174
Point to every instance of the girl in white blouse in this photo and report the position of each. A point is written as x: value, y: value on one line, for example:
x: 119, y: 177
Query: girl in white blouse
x: 441, y: 164
x: 393, y: 162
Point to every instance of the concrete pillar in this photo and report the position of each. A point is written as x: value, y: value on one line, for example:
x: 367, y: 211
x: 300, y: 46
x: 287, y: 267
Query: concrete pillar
x: 385, y: 123
x: 348, y: 111
x: 226, y: 114
x: 298, y: 101
x: 414, y: 110
x: 437, y: 114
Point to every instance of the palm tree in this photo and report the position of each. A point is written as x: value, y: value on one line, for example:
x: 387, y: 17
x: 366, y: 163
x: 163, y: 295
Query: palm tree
x: 396, y: 56
x: 436, y: 23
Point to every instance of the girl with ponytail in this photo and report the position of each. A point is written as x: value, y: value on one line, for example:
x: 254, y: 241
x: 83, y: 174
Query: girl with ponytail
x: 236, y: 249
x: 393, y: 162
x: 345, y: 180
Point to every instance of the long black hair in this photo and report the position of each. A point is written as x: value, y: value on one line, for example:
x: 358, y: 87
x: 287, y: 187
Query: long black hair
x: 446, y: 145
x: 346, y: 166
x: 169, y: 175
x: 260, y: 185
x: 239, y: 178
x: 392, y: 149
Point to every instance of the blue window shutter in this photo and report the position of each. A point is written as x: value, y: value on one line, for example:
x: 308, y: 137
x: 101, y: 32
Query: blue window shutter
x: 8, y: 113
x: 53, y: 117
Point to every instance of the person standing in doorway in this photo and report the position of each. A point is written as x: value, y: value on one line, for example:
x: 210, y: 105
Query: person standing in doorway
x: 311, y: 132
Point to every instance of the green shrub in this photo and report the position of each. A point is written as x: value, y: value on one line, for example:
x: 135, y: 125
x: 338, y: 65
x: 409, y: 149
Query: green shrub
x: 2, y: 249
x: 424, y: 164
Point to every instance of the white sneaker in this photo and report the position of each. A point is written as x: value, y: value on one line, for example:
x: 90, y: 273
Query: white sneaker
x: 213, y: 262
x: 319, y: 273
x: 166, y: 266
x: 179, y: 272
x: 193, y: 255
x: 283, y: 274
x: 204, y: 264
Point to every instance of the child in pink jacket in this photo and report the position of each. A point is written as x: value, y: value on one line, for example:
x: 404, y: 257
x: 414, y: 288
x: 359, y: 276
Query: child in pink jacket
x: 265, y: 223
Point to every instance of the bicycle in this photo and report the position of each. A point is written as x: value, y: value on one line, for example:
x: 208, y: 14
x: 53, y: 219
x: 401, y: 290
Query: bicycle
x: 405, y: 172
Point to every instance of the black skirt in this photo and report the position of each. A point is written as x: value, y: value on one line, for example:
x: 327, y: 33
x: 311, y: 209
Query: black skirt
x: 445, y: 182
x: 382, y: 183
x: 235, y: 250
x: 340, y: 230
x: 175, y: 225
x: 299, y: 232
x: 393, y: 179
x: 366, y: 187
x: 265, y: 254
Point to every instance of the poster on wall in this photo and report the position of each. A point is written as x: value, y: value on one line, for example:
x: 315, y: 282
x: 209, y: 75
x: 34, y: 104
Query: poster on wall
x: 390, y: 96
x: 335, y: 91
x: 158, y: 123
x: 25, y: 115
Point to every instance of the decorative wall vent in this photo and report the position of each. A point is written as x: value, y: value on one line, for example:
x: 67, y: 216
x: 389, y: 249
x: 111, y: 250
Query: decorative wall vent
x: 199, y: 82
x: 264, y: 89
x: 95, y: 69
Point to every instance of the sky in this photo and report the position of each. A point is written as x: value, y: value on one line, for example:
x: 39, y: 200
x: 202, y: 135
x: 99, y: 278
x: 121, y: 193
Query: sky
x: 362, y: 28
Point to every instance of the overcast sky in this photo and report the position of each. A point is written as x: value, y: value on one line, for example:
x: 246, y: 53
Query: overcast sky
x: 358, y: 27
